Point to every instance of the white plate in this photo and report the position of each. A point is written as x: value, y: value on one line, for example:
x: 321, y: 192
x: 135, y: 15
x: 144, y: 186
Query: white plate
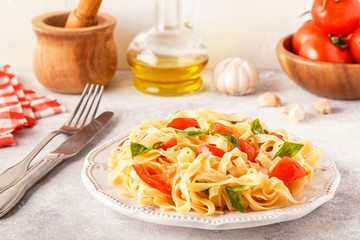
x: 95, y: 177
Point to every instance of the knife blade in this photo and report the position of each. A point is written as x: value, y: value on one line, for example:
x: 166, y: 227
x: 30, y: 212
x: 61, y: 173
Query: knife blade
x: 11, y: 196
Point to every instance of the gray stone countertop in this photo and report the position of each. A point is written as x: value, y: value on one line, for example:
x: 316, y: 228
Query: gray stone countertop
x: 60, y: 207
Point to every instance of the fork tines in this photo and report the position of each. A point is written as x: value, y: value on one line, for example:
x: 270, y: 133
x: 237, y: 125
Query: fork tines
x: 90, y: 97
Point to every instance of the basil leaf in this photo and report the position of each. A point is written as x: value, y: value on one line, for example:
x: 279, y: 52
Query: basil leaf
x: 191, y: 133
x: 211, y: 129
x: 235, y: 199
x: 154, y: 146
x: 233, y: 140
x: 256, y: 127
x: 136, y: 149
x: 192, y: 148
x: 288, y: 149
x: 206, y: 190
x: 239, y: 188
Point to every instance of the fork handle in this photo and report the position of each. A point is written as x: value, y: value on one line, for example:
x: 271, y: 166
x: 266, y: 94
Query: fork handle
x: 13, y: 173
x: 12, y: 195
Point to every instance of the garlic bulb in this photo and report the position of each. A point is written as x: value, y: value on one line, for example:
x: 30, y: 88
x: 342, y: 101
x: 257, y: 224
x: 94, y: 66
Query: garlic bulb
x: 234, y: 76
x: 295, y: 112
x: 268, y: 99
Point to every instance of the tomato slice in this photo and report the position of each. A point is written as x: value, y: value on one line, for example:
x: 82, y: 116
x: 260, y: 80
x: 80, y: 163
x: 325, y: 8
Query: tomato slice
x: 169, y: 143
x: 277, y: 135
x: 221, y: 128
x: 122, y: 143
x: 288, y: 170
x: 153, y: 179
x: 248, y: 149
x: 210, y: 149
x: 182, y: 123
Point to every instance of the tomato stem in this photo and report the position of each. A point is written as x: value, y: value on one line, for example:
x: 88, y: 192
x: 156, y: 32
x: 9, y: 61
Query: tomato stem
x: 338, y: 41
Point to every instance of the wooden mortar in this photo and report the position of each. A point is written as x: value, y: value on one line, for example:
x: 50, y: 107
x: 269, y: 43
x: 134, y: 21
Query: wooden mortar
x: 66, y: 59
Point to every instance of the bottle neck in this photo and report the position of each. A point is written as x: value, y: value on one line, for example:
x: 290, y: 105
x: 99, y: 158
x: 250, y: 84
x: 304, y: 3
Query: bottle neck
x: 169, y: 15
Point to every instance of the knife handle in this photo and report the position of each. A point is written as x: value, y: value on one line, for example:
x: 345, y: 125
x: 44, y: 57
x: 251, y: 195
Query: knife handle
x: 10, y: 175
x: 12, y: 195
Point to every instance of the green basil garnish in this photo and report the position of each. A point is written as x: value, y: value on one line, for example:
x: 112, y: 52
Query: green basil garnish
x: 288, y: 149
x: 211, y: 128
x: 192, y: 133
x: 137, y: 148
x: 192, y: 148
x: 240, y: 188
x: 256, y: 127
x: 233, y: 140
x: 235, y: 198
x: 206, y: 190
x: 154, y: 146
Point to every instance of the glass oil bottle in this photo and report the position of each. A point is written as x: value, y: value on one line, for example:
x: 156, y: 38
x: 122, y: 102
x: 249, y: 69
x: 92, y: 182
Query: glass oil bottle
x: 168, y: 59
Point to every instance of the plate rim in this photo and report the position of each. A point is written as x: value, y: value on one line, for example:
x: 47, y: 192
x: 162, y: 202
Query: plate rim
x: 155, y: 215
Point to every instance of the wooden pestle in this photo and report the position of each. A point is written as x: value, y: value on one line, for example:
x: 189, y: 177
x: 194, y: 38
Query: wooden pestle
x: 85, y: 15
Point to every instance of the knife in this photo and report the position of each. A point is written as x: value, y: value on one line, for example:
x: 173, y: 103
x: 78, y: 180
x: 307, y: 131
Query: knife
x: 10, y: 196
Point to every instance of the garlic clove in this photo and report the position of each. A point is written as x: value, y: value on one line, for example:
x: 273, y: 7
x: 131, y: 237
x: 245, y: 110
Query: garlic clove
x: 268, y: 99
x: 295, y: 112
x: 323, y: 106
x: 234, y: 76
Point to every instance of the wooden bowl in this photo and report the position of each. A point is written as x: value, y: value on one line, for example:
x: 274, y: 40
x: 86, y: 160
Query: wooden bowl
x: 330, y: 80
x: 66, y: 59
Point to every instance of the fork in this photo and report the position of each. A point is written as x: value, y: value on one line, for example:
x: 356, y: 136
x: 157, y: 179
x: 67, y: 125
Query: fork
x: 84, y: 112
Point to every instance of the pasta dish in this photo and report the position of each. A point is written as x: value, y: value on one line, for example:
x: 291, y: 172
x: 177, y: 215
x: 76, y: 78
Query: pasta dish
x: 211, y: 162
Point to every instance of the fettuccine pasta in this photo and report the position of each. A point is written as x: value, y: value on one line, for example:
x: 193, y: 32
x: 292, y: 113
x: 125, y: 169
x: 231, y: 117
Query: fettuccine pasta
x: 211, y: 162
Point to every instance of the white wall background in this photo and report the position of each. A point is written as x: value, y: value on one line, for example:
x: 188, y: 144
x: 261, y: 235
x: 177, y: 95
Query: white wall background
x: 249, y: 29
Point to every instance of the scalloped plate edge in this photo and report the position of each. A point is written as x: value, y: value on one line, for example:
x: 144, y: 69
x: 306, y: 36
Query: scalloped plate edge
x: 153, y: 215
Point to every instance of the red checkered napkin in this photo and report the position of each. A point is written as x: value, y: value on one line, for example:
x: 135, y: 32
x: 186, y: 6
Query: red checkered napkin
x: 20, y: 108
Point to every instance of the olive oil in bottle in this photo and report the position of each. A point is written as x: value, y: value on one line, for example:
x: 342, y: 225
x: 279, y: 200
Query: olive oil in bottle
x: 168, y: 75
x: 169, y: 58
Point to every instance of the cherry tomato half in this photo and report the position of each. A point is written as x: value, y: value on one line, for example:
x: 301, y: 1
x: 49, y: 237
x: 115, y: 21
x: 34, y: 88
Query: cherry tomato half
x: 221, y: 128
x: 160, y: 182
x: 169, y: 143
x: 182, y: 123
x: 322, y: 49
x: 336, y: 17
x: 248, y: 149
x: 288, y: 170
x: 277, y: 135
x: 210, y: 149
x: 122, y: 143
x: 306, y: 31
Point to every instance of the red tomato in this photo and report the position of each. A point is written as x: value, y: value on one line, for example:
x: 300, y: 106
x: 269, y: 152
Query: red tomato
x: 248, y: 149
x: 336, y: 17
x: 169, y: 143
x: 306, y: 31
x: 182, y: 123
x: 322, y: 49
x: 210, y: 149
x: 221, y: 128
x: 288, y: 170
x: 277, y: 135
x: 159, y: 181
x: 122, y: 143
x: 354, y: 45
